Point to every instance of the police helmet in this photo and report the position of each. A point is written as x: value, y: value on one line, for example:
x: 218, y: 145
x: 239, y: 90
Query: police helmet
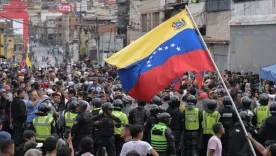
x: 272, y: 108
x: 73, y: 99
x: 191, y: 99
x: 154, y: 109
x: 174, y: 101
x: 212, y: 105
x: 164, y: 118
x: 107, y: 106
x: 141, y: 103
x: 191, y: 102
x: 82, y: 104
x: 226, y: 101
x: 245, y: 116
x: 44, y: 107
x: 73, y: 106
x: 97, y: 102
x: 156, y: 100
x: 272, y: 149
x: 127, y: 100
x: 263, y: 99
x: 117, y: 87
x: 246, y: 102
x: 118, y: 104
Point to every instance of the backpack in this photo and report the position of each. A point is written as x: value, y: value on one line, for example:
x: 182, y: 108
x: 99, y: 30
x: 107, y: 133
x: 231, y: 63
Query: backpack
x: 139, y: 116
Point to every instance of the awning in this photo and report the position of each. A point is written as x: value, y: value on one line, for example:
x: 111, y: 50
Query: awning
x: 268, y: 73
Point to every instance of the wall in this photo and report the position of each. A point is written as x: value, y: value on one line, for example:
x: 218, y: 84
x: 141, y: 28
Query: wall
x: 217, y: 25
x: 254, y: 8
x: 151, y: 5
x: 220, y: 55
x: 44, y: 15
x: 252, y: 47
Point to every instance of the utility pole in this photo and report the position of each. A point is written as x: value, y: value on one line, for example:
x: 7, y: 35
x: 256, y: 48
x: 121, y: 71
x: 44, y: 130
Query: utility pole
x: 66, y: 37
x: 123, y: 19
x: 80, y: 31
x: 109, y: 41
x: 98, y: 41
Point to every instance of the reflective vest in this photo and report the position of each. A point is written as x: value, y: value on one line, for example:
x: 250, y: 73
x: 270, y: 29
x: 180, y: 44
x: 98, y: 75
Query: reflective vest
x: 262, y: 112
x: 209, y: 119
x: 123, y: 118
x: 158, y: 137
x: 191, y: 119
x: 42, y: 125
x: 69, y: 119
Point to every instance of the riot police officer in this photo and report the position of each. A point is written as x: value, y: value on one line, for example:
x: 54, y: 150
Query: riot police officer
x: 176, y: 124
x: 71, y: 114
x: 246, y: 103
x: 228, y: 119
x: 210, y: 116
x: 138, y: 115
x: 192, y: 128
x: 119, y: 141
x: 105, y: 123
x: 43, y: 123
x: 82, y: 126
x: 261, y: 111
x: 237, y: 142
x: 268, y: 126
x: 151, y: 121
x: 161, y: 137
x: 97, y: 104
x: 157, y: 100
x: 127, y: 100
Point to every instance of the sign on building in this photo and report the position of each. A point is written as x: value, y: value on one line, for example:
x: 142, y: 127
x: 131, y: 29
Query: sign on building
x: 65, y: 8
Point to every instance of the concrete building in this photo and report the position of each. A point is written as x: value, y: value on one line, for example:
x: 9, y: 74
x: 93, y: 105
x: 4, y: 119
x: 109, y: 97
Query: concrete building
x: 73, y: 21
x: 151, y: 14
x: 252, y: 35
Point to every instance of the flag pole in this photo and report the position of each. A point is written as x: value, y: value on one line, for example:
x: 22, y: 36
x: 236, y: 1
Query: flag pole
x: 223, y: 83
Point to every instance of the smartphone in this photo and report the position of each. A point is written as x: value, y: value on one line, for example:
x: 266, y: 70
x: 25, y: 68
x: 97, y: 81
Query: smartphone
x: 67, y: 133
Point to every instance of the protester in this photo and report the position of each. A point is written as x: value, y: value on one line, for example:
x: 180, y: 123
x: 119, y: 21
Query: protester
x: 4, y: 135
x: 33, y: 152
x: 126, y: 132
x: 7, y: 148
x: 214, y: 145
x: 141, y: 147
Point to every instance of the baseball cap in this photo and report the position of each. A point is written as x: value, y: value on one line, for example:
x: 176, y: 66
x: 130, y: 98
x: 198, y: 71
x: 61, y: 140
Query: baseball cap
x: 31, y: 145
x: 28, y: 134
x: 50, y: 91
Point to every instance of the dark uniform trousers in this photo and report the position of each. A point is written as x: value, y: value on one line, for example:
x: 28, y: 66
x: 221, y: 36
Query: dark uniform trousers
x: 108, y: 143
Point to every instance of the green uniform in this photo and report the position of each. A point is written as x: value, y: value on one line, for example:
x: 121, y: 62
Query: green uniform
x: 69, y: 119
x: 158, y: 137
x: 124, y: 120
x: 262, y: 112
x: 191, y: 119
x: 42, y: 125
x: 209, y: 119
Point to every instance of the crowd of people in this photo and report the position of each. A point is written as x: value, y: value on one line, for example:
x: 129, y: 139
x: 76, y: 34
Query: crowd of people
x: 83, y: 110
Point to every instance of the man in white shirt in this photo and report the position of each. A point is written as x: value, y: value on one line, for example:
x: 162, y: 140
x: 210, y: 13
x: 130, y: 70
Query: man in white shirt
x: 141, y: 147
x: 214, y: 143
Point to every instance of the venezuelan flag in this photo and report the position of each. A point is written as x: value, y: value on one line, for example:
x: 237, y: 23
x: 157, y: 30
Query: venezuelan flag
x: 25, y: 63
x: 200, y: 79
x: 161, y: 56
x: 177, y: 83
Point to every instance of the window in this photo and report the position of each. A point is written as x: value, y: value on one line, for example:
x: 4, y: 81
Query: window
x: 144, y: 23
x: 217, y: 5
x: 156, y: 20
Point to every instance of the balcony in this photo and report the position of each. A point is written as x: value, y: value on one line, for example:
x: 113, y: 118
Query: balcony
x: 174, y: 3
